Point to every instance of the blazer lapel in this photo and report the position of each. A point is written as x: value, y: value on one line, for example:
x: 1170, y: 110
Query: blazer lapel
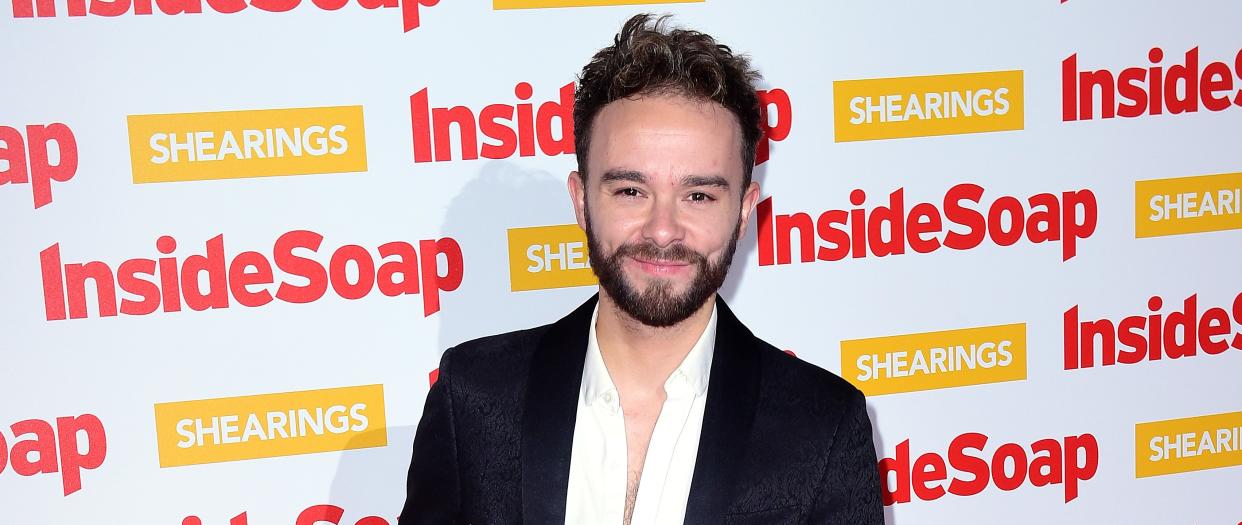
x: 732, y: 395
x: 551, y: 408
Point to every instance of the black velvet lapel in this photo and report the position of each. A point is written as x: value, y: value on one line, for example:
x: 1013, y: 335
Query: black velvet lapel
x: 552, y: 402
x: 551, y: 408
x: 732, y: 395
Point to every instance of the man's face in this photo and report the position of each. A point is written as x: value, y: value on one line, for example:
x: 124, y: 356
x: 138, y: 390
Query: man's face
x: 663, y: 205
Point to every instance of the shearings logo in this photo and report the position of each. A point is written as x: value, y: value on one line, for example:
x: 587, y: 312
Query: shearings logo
x: 548, y: 257
x: 900, y: 107
x: 944, y: 359
x: 1187, y: 205
x: 241, y: 144
x: 270, y: 425
x: 1187, y: 444
x: 112, y: 8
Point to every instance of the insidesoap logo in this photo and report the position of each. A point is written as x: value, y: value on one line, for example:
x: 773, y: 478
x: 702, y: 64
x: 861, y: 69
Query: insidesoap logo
x: 961, y: 221
x: 1151, y: 89
x: 322, y: 514
x: 901, y: 107
x: 270, y: 425
x: 410, y: 18
x: 932, y: 360
x: 525, y: 128
x: 29, y: 159
x: 1187, y: 444
x: 534, y: 4
x: 1187, y: 205
x: 548, y: 257
x: 241, y: 144
x: 970, y: 466
x: 1190, y: 330
x: 67, y: 444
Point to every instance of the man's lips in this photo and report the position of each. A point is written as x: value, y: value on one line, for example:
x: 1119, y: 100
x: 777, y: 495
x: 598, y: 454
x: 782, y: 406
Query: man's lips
x: 659, y: 267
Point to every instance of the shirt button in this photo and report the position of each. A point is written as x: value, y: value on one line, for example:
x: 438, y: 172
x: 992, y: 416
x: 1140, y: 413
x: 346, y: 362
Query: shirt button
x: 608, y: 397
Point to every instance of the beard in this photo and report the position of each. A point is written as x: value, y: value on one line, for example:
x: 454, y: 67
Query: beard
x: 657, y: 305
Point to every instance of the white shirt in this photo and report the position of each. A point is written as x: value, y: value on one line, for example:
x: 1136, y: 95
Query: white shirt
x: 597, y: 466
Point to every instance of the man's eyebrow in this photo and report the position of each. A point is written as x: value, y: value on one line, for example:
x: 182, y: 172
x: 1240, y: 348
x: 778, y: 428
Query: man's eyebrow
x: 705, y: 180
x: 623, y: 175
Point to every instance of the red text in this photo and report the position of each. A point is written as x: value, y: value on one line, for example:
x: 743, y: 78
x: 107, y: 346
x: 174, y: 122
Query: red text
x: 1138, y: 91
x: 247, y: 277
x: 1070, y: 461
x: 110, y: 8
x: 313, y: 515
x: 50, y: 449
x: 38, y: 148
x: 521, y: 129
x: 858, y: 232
x: 1146, y: 337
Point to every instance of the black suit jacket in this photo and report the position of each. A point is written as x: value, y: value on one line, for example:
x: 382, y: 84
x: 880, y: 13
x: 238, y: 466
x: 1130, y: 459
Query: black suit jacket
x: 783, y: 441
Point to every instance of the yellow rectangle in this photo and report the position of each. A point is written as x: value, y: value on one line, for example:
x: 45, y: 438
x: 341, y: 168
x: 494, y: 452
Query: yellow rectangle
x: 1179, y: 445
x: 1203, y: 203
x: 534, y: 4
x: 270, y: 425
x: 177, y: 147
x: 899, y: 107
x: 932, y: 360
x: 548, y: 257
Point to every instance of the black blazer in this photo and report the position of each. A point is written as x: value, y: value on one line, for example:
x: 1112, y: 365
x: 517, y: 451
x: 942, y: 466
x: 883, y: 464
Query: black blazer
x: 783, y: 441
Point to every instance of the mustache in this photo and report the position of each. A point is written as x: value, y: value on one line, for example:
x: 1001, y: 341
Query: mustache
x: 651, y: 252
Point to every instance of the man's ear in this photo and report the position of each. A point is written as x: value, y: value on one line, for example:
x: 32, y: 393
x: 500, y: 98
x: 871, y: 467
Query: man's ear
x: 577, y: 195
x: 748, y: 205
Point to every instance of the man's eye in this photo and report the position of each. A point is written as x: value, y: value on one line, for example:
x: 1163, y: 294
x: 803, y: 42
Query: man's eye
x: 699, y: 196
x: 628, y: 192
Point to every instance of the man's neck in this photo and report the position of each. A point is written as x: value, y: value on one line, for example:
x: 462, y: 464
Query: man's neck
x: 640, y: 358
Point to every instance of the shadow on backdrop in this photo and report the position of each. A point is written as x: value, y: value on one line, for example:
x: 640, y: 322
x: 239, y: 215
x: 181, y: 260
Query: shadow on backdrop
x: 359, y: 472
x: 503, y: 195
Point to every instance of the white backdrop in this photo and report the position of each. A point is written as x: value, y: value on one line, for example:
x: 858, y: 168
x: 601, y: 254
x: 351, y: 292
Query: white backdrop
x: 92, y: 72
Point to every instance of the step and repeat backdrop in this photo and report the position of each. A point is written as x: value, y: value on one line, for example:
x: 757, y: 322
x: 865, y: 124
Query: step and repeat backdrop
x: 237, y: 235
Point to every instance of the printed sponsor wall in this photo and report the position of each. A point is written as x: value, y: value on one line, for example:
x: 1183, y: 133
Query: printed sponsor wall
x: 238, y: 234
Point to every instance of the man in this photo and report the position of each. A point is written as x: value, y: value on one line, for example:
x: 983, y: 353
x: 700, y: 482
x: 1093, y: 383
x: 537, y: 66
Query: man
x: 650, y: 403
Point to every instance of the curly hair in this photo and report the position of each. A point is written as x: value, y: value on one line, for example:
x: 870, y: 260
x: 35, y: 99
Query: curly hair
x: 646, y: 58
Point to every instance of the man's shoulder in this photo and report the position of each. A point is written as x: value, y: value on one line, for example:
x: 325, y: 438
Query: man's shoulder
x: 503, y: 361
x: 491, y: 369
x: 495, y: 351
x: 789, y: 379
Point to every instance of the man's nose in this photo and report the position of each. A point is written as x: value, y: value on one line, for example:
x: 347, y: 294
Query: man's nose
x: 664, y: 222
